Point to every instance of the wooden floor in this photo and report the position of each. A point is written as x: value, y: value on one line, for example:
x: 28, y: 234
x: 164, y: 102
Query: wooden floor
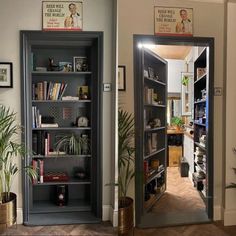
x: 214, y: 229
x: 180, y: 204
x: 104, y: 228
x: 180, y: 195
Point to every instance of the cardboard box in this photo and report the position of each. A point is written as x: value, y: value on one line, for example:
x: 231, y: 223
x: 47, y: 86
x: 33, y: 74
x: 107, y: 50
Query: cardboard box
x: 175, y: 154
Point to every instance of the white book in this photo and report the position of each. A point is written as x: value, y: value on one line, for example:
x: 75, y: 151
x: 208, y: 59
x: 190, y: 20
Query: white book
x: 45, y: 125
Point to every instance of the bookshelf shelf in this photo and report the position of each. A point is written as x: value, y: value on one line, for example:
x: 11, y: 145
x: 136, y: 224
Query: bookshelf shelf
x: 61, y: 101
x: 73, y: 126
x: 60, y: 73
x: 72, y: 206
x: 63, y: 128
x: 154, y: 129
x: 154, y: 105
x: 154, y: 153
x: 70, y: 182
x: 155, y: 81
x: 59, y: 156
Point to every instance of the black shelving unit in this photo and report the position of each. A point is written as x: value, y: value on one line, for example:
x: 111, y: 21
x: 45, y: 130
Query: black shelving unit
x: 202, y: 156
x: 84, y: 203
x: 150, y: 127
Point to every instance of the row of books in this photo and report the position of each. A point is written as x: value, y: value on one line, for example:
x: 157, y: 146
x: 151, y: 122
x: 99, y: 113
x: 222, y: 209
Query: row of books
x: 37, y: 120
x: 150, y: 96
x: 48, y: 90
x: 41, y: 143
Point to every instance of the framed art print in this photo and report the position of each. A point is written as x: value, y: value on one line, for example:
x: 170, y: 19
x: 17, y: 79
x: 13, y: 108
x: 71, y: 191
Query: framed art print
x: 173, y: 21
x: 121, y: 78
x: 6, y: 75
x: 62, y: 15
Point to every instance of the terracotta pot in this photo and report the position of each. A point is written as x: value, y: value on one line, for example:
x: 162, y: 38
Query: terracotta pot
x: 8, y: 212
x: 125, y: 216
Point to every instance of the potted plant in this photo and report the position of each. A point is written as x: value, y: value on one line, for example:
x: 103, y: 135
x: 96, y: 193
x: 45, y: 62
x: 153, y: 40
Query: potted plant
x: 126, y: 170
x: 177, y: 121
x: 73, y: 145
x: 10, y: 149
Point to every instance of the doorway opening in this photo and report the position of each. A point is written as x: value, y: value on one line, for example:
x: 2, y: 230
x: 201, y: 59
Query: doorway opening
x: 173, y: 86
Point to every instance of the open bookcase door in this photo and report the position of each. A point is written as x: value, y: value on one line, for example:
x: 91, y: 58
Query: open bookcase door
x: 150, y: 96
x: 150, y: 79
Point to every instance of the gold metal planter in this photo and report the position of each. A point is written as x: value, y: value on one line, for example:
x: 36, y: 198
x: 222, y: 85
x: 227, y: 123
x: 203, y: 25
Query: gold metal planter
x: 8, y: 212
x: 125, y: 217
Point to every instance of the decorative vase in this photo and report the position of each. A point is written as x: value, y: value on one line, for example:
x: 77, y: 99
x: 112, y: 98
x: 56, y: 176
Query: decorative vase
x: 7, y: 212
x: 125, y: 216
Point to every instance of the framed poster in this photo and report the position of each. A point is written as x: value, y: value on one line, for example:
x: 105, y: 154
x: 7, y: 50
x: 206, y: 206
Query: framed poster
x: 121, y: 78
x: 6, y: 75
x: 173, y: 21
x: 62, y: 15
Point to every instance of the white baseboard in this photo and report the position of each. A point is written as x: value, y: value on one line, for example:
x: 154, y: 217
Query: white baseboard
x: 217, y: 213
x: 114, y: 216
x: 19, y: 216
x: 229, y: 217
x: 106, y: 212
x: 109, y: 214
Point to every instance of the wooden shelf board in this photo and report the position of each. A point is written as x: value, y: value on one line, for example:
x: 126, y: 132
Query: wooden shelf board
x: 61, y: 101
x: 155, y: 81
x: 72, y: 205
x: 70, y: 182
x: 61, y: 73
x: 153, y: 105
x: 153, y: 176
x: 63, y: 128
x: 154, y: 153
x: 202, y: 101
x: 199, y: 145
x: 154, y: 129
x: 200, y: 78
x: 200, y: 124
x: 59, y: 156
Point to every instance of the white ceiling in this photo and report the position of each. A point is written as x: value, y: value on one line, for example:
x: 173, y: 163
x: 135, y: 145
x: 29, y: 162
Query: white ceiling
x: 171, y: 52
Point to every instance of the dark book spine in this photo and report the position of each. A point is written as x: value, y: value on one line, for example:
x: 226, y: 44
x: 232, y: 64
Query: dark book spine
x: 35, y: 144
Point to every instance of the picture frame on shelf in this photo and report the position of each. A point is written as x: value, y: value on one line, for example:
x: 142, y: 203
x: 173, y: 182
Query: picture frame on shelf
x: 121, y: 78
x: 63, y: 15
x: 80, y: 64
x: 151, y: 73
x: 6, y: 79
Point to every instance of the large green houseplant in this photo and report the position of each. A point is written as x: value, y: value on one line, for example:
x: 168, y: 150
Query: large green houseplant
x: 126, y: 169
x: 10, y: 149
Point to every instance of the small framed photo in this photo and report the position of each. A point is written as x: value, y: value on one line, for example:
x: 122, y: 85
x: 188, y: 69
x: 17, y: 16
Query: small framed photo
x: 121, y: 78
x: 151, y: 73
x: 80, y: 64
x: 6, y: 75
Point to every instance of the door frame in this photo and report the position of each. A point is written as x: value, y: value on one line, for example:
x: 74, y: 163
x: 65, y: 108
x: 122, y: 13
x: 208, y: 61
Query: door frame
x: 139, y: 40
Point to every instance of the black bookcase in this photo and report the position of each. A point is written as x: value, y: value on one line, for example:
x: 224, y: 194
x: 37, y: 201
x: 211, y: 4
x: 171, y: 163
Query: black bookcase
x: 61, y: 100
x: 150, y: 127
x: 201, y: 125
